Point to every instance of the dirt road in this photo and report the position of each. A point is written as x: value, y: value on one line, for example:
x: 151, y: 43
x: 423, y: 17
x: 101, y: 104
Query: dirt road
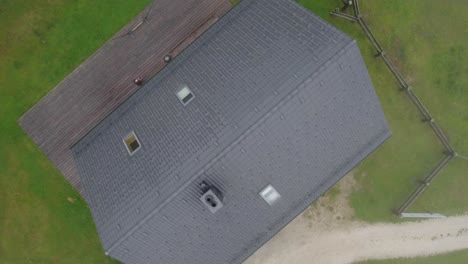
x: 320, y: 236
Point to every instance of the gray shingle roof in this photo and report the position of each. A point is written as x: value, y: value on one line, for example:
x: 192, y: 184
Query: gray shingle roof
x: 105, y: 80
x: 281, y: 98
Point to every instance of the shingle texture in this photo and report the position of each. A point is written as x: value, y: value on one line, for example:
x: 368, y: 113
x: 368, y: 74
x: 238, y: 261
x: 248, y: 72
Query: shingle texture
x: 281, y: 98
x: 105, y: 80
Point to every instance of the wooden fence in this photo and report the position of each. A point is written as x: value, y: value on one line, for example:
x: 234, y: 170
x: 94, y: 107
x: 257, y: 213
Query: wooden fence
x: 449, y: 150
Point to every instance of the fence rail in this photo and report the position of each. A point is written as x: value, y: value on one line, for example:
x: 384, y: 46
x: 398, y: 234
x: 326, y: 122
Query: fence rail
x: 450, y: 151
x: 423, y: 185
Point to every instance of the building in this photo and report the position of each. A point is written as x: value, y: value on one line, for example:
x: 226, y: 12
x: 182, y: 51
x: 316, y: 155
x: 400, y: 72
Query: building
x: 234, y: 138
x: 106, y: 79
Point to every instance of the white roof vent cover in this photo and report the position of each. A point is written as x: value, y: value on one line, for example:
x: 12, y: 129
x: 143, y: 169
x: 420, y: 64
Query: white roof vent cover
x: 270, y: 194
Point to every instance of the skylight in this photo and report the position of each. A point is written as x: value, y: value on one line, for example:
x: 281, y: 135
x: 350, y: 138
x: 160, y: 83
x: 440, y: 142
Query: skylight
x: 132, y: 143
x: 185, y: 95
x: 270, y: 194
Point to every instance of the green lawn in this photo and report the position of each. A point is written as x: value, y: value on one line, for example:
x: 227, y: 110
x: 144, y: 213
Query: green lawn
x: 40, y: 43
x: 447, y: 194
x: 457, y: 257
x: 43, y: 41
x: 427, y: 41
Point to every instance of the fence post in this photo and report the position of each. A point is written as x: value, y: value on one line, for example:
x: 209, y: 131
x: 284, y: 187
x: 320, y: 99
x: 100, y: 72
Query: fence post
x: 450, y: 152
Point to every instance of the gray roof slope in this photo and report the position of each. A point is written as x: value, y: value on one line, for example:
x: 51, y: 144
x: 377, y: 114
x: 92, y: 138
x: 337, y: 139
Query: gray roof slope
x: 303, y: 147
x: 281, y: 97
x: 105, y: 80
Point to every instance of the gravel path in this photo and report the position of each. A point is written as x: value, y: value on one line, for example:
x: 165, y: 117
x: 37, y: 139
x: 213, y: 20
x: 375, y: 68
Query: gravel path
x: 319, y: 236
x: 297, y: 244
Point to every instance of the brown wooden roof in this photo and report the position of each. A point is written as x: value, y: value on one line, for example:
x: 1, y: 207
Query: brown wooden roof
x: 105, y: 79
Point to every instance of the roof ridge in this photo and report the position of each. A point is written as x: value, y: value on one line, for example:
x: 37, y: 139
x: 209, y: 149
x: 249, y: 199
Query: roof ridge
x: 228, y: 148
x: 142, y: 91
x: 234, y: 12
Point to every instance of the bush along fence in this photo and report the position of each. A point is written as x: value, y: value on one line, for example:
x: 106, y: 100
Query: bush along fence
x: 449, y: 152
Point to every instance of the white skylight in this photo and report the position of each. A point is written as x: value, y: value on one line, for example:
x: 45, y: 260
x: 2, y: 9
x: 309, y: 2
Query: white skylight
x: 185, y: 95
x: 270, y: 194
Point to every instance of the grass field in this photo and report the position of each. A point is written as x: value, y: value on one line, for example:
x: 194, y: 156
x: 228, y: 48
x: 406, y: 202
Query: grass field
x: 42, y: 41
x: 428, y: 40
x: 429, y: 48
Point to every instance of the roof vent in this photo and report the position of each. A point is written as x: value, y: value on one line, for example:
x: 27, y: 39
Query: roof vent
x: 138, y: 81
x: 167, y: 58
x: 212, y: 197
